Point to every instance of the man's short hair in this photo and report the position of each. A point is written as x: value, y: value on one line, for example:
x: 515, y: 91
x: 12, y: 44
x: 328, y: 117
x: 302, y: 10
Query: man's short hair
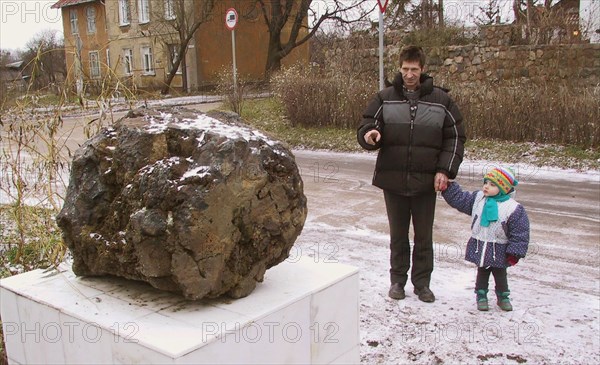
x: 412, y: 54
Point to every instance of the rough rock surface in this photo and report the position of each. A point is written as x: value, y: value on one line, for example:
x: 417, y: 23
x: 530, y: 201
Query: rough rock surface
x: 192, y: 203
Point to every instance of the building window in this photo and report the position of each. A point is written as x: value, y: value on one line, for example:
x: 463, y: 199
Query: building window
x: 169, y: 10
x: 94, y: 65
x: 108, y: 58
x: 144, y: 11
x: 173, y: 54
x: 90, y: 13
x: 128, y: 61
x: 123, y: 12
x: 147, y: 61
x: 73, y: 17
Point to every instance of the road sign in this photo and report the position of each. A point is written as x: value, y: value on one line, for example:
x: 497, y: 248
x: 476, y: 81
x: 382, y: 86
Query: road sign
x: 382, y: 5
x: 231, y: 18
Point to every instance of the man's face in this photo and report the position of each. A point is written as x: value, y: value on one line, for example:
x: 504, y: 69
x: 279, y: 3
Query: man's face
x: 411, y: 74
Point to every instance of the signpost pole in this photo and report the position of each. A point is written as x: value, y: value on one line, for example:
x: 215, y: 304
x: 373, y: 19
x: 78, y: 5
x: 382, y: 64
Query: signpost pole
x: 382, y: 5
x: 234, y: 63
x: 381, y: 84
x: 231, y: 19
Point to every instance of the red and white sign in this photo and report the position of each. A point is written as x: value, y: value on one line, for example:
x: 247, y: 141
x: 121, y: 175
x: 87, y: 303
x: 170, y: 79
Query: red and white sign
x: 382, y: 5
x: 231, y: 18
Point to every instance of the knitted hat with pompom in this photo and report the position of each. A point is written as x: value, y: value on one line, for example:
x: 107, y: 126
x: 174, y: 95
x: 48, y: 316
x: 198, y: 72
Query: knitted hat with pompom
x: 503, y: 178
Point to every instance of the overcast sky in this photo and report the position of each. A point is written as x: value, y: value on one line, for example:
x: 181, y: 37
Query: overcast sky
x: 21, y: 20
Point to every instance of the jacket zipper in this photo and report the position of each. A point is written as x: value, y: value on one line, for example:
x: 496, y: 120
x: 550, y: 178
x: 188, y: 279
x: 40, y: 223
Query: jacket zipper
x: 483, y: 251
x: 413, y: 115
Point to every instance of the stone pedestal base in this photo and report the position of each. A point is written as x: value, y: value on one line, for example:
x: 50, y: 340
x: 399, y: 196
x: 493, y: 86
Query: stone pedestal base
x: 304, y: 312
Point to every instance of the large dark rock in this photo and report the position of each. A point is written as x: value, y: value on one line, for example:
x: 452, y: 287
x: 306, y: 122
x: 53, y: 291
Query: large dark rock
x: 191, y: 203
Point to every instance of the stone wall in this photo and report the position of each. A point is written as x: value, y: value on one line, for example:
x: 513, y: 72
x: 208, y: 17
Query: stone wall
x: 579, y: 62
x: 493, y: 57
x: 500, y: 35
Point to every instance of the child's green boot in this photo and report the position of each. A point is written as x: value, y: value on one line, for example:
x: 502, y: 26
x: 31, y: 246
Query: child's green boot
x: 482, y: 300
x: 504, y: 301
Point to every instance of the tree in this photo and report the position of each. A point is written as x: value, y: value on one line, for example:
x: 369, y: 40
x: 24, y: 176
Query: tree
x: 397, y: 8
x: 545, y: 23
x: 44, y: 57
x: 397, y: 12
x: 177, y: 22
x: 287, y: 22
x: 523, y: 10
x: 6, y: 57
x: 489, y: 13
x: 426, y: 14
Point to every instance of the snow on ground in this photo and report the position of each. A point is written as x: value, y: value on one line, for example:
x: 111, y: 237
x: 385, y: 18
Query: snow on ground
x: 555, y: 290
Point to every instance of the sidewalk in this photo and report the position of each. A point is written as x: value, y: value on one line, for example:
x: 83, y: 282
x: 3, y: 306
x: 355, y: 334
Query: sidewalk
x: 93, y: 106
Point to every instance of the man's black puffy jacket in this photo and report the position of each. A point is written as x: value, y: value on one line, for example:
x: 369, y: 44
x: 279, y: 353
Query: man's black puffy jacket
x: 413, y: 151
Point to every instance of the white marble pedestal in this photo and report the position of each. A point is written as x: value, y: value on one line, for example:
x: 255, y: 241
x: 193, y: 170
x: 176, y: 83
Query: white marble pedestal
x: 304, y: 312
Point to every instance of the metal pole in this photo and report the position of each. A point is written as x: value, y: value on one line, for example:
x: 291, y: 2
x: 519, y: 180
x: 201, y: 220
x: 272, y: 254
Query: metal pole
x: 381, y: 84
x: 234, y: 64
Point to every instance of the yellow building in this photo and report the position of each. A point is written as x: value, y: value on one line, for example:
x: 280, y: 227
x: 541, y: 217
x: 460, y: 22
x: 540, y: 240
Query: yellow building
x: 86, y: 39
x: 135, y: 41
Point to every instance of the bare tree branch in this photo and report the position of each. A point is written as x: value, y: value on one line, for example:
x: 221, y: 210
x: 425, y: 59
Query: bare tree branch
x: 176, y: 23
x: 282, y: 15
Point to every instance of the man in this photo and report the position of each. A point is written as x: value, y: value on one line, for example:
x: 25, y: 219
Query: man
x: 418, y: 131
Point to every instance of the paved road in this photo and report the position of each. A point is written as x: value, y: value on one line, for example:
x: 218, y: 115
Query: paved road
x: 73, y: 128
x: 562, y: 208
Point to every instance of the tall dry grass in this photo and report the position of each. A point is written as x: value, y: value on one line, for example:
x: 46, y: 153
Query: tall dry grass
x: 559, y: 113
x: 35, y: 160
x: 234, y: 93
x: 313, y: 98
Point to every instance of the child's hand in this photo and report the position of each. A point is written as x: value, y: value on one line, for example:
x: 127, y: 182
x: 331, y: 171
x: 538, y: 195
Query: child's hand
x: 512, y: 260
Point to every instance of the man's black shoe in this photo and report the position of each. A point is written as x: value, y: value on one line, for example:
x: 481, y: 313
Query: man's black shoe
x: 396, y: 292
x: 425, y: 294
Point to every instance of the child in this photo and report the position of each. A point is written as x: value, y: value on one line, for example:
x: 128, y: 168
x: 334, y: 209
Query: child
x: 499, y: 231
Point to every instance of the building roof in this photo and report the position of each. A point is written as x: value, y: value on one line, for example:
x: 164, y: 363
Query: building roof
x: 15, y: 65
x: 63, y: 3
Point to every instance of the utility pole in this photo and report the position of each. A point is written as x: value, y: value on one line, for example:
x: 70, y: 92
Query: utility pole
x: 528, y: 33
x: 382, y: 6
x: 78, y: 68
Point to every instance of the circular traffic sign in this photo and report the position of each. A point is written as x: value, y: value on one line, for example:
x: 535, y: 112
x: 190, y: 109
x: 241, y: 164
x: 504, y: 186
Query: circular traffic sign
x: 231, y: 18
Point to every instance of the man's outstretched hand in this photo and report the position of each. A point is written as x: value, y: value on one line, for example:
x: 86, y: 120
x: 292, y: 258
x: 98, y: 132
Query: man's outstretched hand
x: 372, y: 137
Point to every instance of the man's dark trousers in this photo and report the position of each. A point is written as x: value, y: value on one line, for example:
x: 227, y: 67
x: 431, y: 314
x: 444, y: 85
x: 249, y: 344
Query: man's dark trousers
x: 400, y: 209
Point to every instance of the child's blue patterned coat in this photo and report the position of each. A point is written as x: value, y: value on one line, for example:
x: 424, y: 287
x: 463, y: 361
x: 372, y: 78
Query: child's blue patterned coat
x: 488, y: 246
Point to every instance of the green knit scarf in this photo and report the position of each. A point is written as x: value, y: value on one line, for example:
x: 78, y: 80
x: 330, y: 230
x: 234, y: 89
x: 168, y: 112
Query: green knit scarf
x: 490, y: 209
